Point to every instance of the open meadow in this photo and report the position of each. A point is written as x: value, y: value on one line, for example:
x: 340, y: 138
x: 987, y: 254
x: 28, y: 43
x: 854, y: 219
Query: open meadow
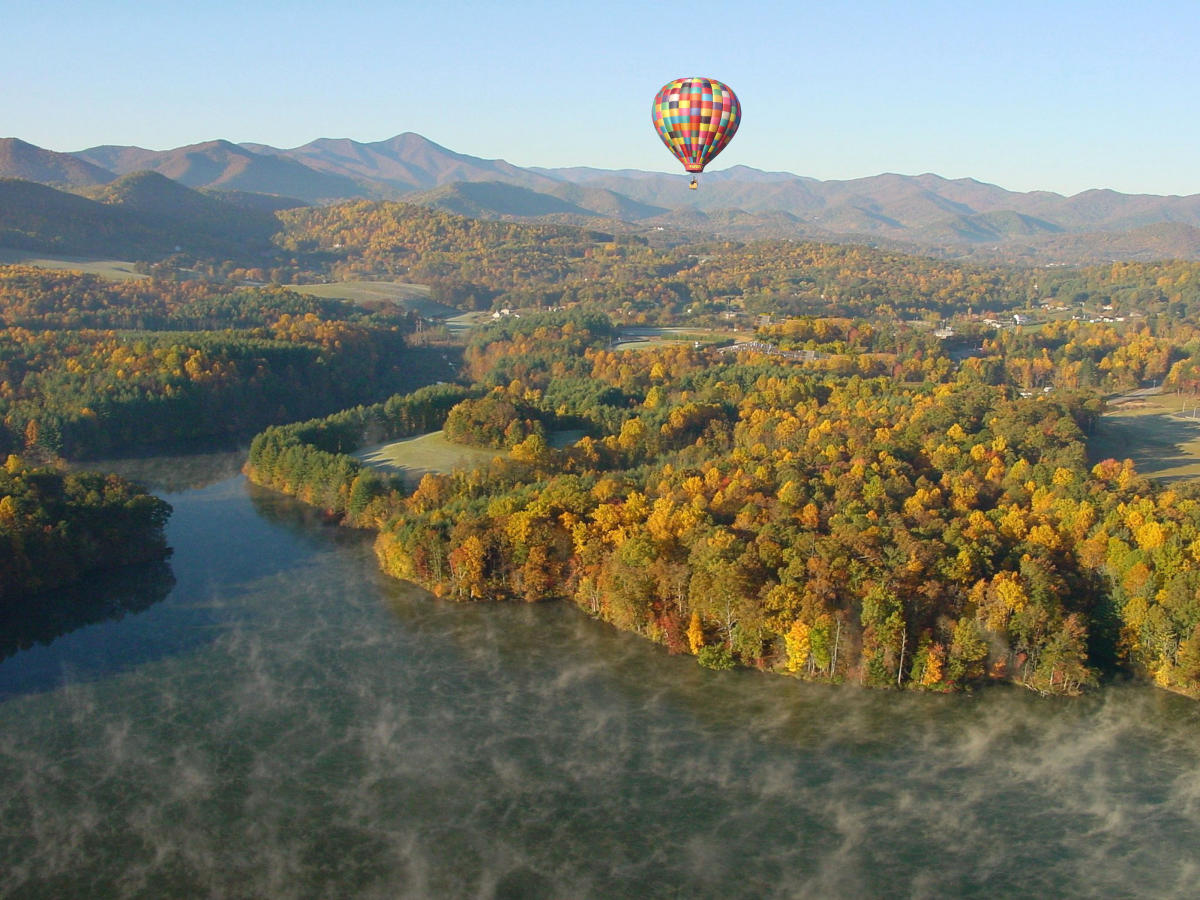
x: 646, y: 337
x: 413, y: 457
x: 413, y: 297
x: 112, y: 269
x: 1159, y: 432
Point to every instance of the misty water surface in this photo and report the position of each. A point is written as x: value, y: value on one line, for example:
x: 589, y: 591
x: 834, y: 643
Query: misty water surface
x: 287, y: 722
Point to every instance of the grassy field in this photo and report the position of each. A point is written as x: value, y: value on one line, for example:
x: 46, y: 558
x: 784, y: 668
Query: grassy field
x: 112, y: 269
x: 1159, y: 432
x: 413, y: 457
x: 409, y: 296
x: 648, y: 337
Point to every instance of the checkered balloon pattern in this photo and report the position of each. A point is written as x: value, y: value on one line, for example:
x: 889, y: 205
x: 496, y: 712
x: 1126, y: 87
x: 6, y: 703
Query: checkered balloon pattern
x: 696, y: 118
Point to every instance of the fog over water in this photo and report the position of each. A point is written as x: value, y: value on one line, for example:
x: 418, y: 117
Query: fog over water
x: 288, y: 722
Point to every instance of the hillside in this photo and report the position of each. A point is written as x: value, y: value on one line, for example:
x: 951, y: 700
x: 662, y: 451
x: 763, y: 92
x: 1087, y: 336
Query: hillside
x: 19, y: 159
x: 1145, y: 244
x: 406, y: 162
x: 157, y: 201
x: 563, y: 203
x: 36, y: 217
x: 144, y: 216
x: 985, y: 227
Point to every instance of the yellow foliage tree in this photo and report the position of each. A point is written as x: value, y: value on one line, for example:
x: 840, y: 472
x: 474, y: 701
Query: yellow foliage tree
x: 799, y: 646
x: 695, y: 633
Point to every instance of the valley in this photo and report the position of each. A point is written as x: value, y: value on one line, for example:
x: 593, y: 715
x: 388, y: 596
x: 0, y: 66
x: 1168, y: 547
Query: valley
x: 878, y: 404
x: 458, y: 450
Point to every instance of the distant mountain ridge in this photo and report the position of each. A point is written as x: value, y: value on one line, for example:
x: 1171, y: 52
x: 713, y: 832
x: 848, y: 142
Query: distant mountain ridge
x: 19, y: 159
x: 407, y: 162
x: 226, y: 166
x: 949, y: 216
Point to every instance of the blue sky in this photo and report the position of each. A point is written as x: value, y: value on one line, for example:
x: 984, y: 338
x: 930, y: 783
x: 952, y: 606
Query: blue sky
x: 1059, y: 96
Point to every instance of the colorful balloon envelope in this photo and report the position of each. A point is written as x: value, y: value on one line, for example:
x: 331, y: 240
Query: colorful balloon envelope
x: 696, y: 118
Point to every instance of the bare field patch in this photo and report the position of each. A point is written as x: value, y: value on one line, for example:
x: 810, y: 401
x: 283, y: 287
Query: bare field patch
x: 1159, y: 432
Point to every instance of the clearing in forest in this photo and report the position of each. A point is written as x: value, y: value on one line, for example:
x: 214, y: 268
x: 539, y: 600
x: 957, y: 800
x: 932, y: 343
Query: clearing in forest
x: 1159, y: 432
x: 413, y: 457
x: 413, y: 297
x: 648, y: 337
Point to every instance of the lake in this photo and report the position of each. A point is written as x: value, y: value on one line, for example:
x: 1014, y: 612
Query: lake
x: 272, y: 717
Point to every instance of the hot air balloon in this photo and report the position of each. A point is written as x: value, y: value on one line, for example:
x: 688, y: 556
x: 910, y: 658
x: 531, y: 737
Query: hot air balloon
x: 696, y: 118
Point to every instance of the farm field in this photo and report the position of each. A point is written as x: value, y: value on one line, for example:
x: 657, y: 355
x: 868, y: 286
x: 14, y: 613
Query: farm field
x: 409, y: 296
x: 1159, y: 432
x: 112, y: 269
x: 649, y: 337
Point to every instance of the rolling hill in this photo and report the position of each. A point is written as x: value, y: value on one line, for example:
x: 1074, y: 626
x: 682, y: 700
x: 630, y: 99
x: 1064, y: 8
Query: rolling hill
x: 495, y: 199
x: 165, y: 205
x: 144, y: 215
x: 404, y: 163
x: 37, y: 217
x: 562, y: 202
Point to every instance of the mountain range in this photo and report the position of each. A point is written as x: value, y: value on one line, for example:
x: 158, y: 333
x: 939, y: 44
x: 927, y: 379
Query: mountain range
x: 924, y: 213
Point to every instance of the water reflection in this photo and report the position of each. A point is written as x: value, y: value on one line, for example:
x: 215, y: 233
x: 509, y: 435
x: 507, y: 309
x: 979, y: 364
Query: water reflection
x: 176, y: 473
x: 304, y: 522
x: 224, y: 547
x: 42, y: 618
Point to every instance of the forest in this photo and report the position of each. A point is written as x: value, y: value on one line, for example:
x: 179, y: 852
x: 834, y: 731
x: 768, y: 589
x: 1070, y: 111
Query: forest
x: 56, y: 527
x: 88, y: 367
x: 899, y: 509
x: 472, y: 263
x: 925, y: 528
